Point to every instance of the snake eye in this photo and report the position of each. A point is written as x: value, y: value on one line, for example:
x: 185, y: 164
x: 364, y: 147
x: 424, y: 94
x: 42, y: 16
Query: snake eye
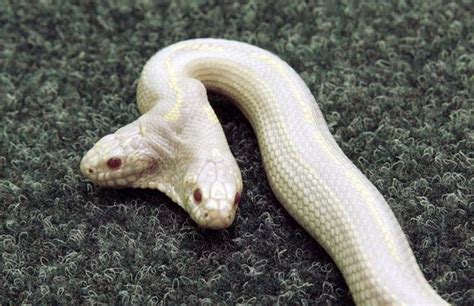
x: 197, y: 195
x: 237, y: 199
x: 114, y: 162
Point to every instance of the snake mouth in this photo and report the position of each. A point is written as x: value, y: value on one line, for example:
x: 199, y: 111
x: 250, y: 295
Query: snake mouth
x: 122, y: 182
x: 110, y: 179
x: 216, y: 220
x: 213, y: 214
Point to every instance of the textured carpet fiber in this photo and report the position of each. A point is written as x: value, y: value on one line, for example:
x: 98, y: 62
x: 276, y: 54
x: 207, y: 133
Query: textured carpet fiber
x: 394, y: 80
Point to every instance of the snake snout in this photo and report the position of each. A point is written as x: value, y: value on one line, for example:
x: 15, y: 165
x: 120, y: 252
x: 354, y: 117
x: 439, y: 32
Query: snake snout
x: 88, y: 169
x: 212, y: 212
x: 214, y: 205
x: 216, y: 219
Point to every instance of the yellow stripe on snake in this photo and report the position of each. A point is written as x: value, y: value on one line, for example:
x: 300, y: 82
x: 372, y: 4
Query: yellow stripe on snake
x: 178, y: 147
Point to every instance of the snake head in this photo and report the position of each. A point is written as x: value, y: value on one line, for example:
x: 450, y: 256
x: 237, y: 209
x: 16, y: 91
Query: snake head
x: 212, y: 193
x: 119, y: 160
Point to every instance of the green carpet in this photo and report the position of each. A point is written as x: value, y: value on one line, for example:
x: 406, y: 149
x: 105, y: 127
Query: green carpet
x: 394, y: 80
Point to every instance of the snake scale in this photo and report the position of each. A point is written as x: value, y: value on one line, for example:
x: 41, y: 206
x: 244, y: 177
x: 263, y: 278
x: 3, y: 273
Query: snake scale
x: 178, y: 147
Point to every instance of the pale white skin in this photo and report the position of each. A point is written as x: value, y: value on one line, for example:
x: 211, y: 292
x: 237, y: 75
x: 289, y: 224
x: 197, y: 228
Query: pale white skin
x: 178, y: 147
x: 159, y: 154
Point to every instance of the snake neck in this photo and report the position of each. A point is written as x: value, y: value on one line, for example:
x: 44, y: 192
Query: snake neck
x: 195, y: 140
x: 310, y: 175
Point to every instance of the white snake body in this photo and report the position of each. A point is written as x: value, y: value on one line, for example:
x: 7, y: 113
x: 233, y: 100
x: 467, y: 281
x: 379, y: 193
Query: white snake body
x: 184, y: 147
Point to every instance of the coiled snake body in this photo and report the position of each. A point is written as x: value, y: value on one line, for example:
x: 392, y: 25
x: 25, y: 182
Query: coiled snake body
x: 178, y: 147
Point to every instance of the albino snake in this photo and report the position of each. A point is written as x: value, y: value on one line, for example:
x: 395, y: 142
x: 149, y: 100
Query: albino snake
x: 178, y: 147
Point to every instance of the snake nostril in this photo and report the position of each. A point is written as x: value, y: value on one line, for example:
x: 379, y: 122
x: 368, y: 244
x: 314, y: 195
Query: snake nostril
x: 90, y: 170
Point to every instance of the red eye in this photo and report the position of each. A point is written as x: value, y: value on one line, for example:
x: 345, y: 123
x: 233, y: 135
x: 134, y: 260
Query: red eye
x: 237, y: 199
x: 114, y: 163
x: 197, y: 195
